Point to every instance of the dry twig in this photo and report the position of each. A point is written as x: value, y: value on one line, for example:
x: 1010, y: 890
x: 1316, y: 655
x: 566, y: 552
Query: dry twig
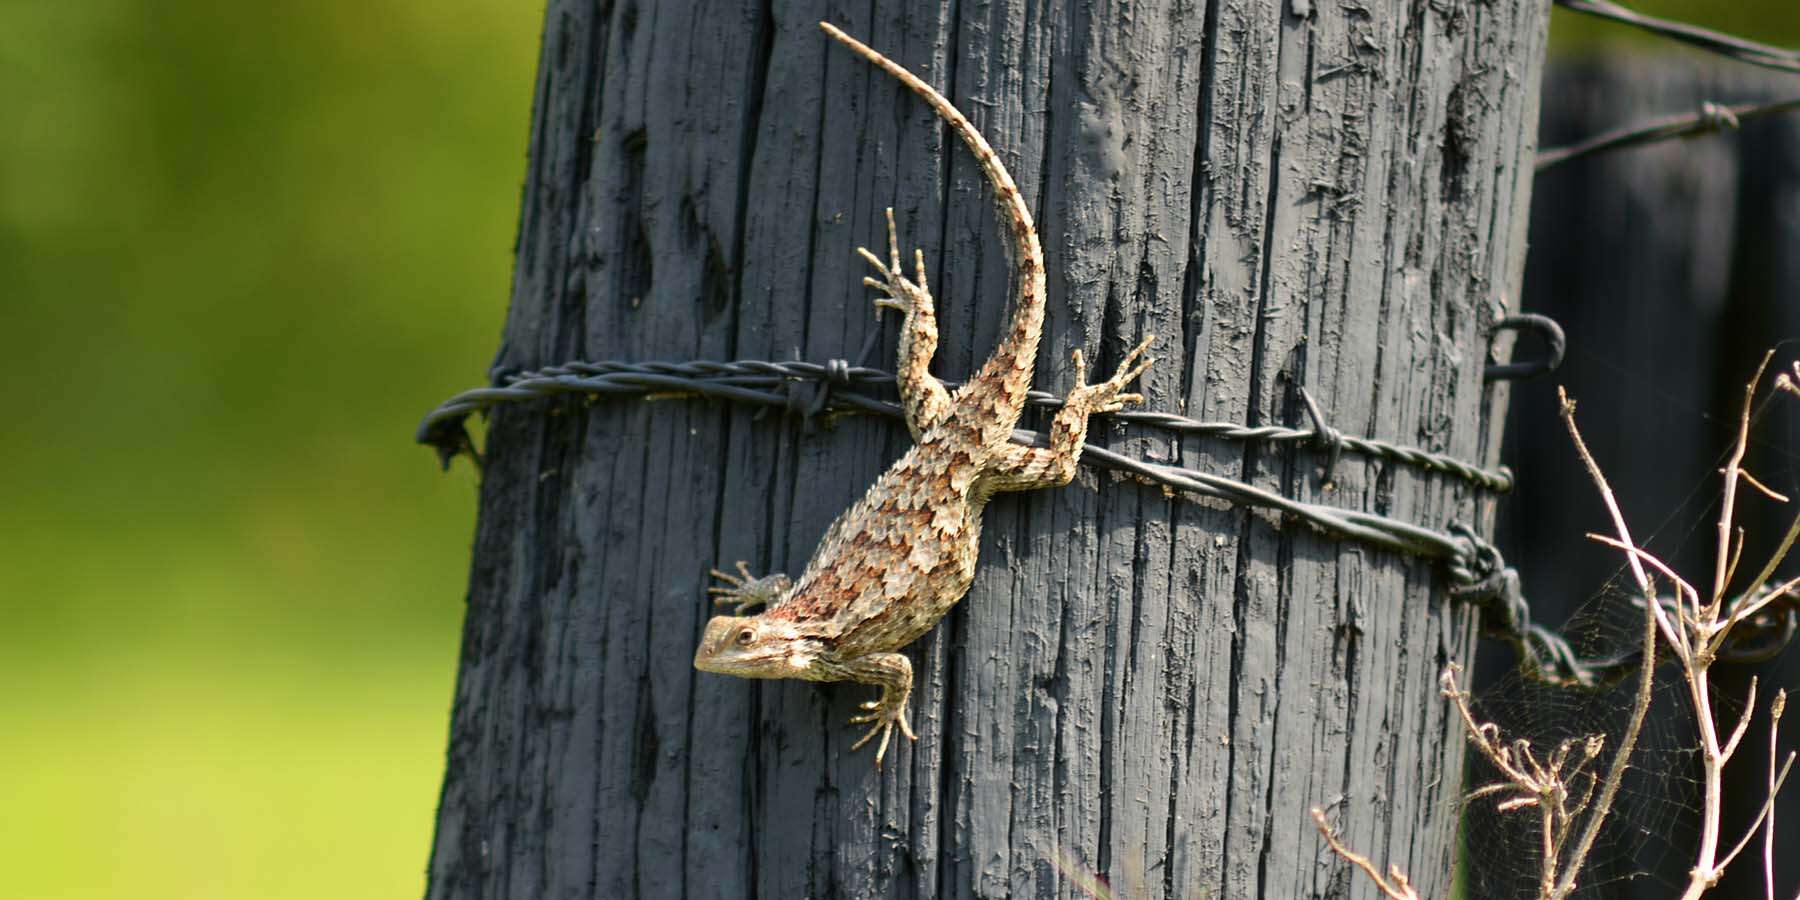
x: 1394, y: 886
x: 1776, y: 708
x: 1529, y: 782
x: 1654, y: 620
x: 1709, y: 625
x: 1695, y: 631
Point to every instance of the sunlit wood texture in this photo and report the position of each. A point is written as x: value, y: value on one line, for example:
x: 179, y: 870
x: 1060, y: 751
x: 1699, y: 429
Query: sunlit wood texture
x: 1322, y: 194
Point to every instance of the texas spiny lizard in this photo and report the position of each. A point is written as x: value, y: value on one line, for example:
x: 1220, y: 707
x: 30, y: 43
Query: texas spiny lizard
x: 894, y: 563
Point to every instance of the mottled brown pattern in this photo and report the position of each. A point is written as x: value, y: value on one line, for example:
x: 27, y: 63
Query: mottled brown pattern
x: 895, y: 562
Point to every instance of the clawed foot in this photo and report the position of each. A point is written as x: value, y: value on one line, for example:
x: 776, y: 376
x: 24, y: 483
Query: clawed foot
x: 1109, y: 395
x: 897, y: 292
x: 746, y: 590
x: 884, y: 713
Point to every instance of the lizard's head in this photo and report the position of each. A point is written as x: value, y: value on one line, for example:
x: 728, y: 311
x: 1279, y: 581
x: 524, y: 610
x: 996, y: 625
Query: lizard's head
x: 756, y: 647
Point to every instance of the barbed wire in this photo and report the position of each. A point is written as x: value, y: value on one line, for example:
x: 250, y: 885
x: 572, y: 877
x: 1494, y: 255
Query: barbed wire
x: 1477, y: 573
x: 1744, y: 51
x: 1710, y: 117
x: 1546, y: 656
x: 785, y: 385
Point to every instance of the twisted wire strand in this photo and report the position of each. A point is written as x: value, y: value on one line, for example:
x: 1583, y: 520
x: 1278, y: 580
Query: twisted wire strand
x: 1710, y: 117
x: 1477, y: 573
x: 771, y: 384
x: 1745, y: 51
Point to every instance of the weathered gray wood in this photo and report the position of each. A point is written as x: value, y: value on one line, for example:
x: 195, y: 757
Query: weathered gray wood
x: 1672, y: 268
x: 1289, y: 193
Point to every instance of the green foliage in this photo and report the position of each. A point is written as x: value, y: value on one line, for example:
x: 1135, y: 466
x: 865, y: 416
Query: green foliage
x: 244, y: 246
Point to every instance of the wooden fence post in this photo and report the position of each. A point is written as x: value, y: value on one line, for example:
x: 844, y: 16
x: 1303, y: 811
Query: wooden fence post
x: 1289, y: 193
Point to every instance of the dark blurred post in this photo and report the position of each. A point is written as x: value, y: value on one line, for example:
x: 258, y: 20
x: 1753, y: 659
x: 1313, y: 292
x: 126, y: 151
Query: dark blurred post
x: 1673, y: 269
x: 1152, y: 687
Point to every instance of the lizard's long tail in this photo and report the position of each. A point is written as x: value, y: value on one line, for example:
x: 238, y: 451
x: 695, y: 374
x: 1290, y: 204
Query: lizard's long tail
x: 997, y: 392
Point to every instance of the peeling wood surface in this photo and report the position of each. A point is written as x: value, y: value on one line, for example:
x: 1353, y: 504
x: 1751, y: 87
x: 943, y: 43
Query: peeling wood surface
x: 1327, y: 194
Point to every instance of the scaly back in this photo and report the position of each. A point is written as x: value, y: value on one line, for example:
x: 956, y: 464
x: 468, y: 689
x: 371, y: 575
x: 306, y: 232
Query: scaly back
x: 995, y: 396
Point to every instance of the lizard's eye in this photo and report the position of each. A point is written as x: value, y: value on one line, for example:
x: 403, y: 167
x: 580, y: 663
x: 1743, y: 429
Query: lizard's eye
x: 745, y: 636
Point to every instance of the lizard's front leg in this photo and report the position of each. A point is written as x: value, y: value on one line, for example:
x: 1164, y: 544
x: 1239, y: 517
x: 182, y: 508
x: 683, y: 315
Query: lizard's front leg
x: 1017, y: 468
x: 746, y: 590
x: 893, y: 672
x: 922, y: 396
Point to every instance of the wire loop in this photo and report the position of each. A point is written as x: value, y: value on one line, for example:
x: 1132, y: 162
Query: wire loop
x: 1556, y: 344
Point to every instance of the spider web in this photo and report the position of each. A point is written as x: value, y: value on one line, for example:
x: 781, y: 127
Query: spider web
x: 1654, y: 821
x: 1647, y: 843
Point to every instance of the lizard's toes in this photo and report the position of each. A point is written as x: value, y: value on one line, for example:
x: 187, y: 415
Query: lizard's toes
x: 879, y: 728
x: 1139, y: 349
x: 1139, y: 369
x: 887, y: 734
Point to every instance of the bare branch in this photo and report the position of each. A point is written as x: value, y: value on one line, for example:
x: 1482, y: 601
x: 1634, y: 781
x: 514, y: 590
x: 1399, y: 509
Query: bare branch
x: 1708, y: 630
x: 1743, y: 724
x: 1485, y: 736
x: 1790, y: 384
x: 1767, y: 491
x: 1653, y: 621
x: 1640, y: 708
x: 1776, y: 708
x: 1732, y: 466
x: 1567, y: 410
x: 1395, y: 886
x: 1767, y: 807
x: 1775, y: 560
x: 1737, y: 546
x: 1749, y: 606
x: 1677, y: 638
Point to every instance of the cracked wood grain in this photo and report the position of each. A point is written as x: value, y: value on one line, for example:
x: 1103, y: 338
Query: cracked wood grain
x: 1330, y: 197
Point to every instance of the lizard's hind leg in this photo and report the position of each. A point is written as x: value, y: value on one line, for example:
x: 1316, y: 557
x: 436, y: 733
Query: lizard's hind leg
x: 746, y: 590
x: 893, y: 672
x: 922, y: 396
x: 1017, y: 468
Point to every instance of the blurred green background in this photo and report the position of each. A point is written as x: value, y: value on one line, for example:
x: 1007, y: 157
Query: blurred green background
x: 244, y: 247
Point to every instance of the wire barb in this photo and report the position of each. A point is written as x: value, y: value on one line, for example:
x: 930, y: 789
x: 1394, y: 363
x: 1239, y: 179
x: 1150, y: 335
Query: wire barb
x: 1709, y: 118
